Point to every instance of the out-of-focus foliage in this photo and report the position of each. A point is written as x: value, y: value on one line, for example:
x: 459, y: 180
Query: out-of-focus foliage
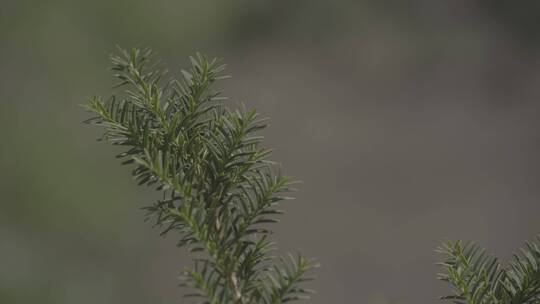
x: 219, y: 190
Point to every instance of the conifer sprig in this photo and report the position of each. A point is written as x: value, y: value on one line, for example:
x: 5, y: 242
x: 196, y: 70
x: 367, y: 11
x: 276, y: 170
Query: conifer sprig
x: 219, y: 190
x: 479, y: 278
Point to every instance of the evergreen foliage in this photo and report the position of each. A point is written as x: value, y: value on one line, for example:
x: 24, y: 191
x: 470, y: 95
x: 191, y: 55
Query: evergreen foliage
x: 219, y: 192
x: 479, y: 278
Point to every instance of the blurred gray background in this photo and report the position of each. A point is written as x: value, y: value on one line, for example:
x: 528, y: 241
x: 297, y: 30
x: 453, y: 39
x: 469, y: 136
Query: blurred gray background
x: 409, y: 123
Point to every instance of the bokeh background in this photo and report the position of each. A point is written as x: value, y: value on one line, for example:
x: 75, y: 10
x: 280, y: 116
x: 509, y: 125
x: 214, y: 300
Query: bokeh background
x: 409, y: 123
